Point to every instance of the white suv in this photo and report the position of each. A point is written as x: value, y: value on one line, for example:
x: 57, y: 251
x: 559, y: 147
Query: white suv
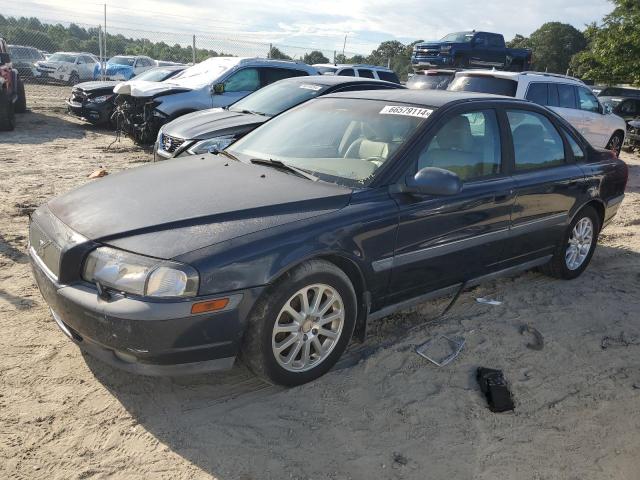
x: 567, y: 96
x: 70, y: 67
x: 363, y: 71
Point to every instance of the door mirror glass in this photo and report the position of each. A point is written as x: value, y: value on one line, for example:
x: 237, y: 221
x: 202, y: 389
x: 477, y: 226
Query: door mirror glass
x: 434, y: 181
x: 218, y: 88
x: 607, y: 109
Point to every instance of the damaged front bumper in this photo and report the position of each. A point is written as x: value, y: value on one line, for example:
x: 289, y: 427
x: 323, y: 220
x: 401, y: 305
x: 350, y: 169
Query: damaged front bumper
x: 138, y: 118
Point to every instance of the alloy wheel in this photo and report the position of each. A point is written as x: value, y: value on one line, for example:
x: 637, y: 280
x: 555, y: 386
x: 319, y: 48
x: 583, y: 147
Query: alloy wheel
x: 579, y: 244
x: 308, y: 327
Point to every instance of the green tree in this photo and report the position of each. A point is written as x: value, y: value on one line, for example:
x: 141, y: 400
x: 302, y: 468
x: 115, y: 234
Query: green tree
x: 553, y: 45
x: 314, y: 57
x: 519, y: 41
x: 613, y: 55
x: 276, y: 53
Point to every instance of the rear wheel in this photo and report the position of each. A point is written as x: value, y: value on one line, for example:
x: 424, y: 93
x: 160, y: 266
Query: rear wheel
x: 297, y: 332
x: 573, y: 255
x: 7, y: 113
x: 21, y: 104
x: 615, y: 143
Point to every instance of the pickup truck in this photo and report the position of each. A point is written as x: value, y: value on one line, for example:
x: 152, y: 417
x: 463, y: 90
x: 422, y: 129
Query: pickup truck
x: 471, y: 49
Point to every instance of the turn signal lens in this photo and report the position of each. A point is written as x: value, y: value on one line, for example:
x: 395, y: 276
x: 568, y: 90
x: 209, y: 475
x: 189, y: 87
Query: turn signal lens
x: 209, y: 306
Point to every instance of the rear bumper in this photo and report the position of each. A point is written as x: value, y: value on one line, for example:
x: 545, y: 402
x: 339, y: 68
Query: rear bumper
x: 611, y: 209
x: 143, y: 337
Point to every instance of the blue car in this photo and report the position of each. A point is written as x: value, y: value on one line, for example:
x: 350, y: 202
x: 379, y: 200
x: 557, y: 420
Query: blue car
x: 124, y: 67
x: 338, y: 212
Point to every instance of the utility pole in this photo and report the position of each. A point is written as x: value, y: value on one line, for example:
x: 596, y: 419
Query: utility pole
x: 344, y: 45
x: 194, y: 49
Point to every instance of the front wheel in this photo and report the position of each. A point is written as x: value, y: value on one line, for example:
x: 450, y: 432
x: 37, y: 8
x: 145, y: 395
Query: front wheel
x: 298, y: 331
x: 7, y: 113
x: 74, y: 79
x: 573, y: 255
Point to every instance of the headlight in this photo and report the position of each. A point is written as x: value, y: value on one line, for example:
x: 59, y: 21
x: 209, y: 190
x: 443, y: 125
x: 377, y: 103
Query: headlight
x: 216, y: 143
x: 102, y: 98
x: 445, y: 48
x: 140, y: 275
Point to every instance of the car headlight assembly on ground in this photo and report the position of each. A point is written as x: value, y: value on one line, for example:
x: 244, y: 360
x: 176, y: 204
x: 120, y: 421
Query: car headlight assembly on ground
x: 211, y: 144
x: 140, y: 275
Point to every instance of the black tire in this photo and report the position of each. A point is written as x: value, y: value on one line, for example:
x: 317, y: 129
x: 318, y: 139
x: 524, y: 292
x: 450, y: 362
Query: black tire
x: 7, y: 114
x: 74, y: 79
x: 557, y: 266
x: 21, y: 104
x: 257, y: 352
x: 615, y: 143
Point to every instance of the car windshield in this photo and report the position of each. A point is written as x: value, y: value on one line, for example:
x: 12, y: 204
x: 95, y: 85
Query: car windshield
x: 484, y: 84
x: 463, y: 37
x: 156, y: 74
x: 122, y: 61
x: 619, y: 92
x: 339, y: 140
x: 429, y: 82
x: 62, y: 57
x: 278, y: 97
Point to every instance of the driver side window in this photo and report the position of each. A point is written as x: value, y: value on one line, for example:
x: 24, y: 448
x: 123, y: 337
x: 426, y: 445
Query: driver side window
x: 467, y: 145
x: 246, y: 80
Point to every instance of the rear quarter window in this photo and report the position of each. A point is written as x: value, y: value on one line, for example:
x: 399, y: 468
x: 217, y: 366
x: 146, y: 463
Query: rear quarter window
x: 484, y: 84
x: 365, y: 73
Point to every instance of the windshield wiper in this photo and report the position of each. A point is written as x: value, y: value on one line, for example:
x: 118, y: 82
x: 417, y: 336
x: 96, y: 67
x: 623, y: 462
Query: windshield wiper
x: 229, y: 155
x: 285, y: 166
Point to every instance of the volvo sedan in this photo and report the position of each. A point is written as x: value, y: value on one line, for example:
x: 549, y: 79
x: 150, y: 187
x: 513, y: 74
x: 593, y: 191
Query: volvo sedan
x: 336, y: 213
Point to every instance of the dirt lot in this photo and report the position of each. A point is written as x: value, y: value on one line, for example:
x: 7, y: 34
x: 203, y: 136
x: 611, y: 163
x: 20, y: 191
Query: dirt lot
x: 382, y: 413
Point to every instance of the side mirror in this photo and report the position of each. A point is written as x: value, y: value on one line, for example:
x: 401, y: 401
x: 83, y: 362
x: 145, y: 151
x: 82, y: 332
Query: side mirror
x: 607, y: 109
x: 433, y: 181
x: 5, y: 58
x: 218, y: 88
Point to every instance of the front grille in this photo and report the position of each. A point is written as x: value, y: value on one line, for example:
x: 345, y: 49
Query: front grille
x: 426, y: 52
x: 170, y: 144
x: 43, y: 247
x: 78, y: 96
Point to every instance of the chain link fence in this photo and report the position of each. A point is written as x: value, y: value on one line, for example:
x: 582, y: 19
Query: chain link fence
x: 38, y: 48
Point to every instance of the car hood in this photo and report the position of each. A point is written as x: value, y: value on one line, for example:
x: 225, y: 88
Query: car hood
x: 210, y: 123
x: 142, y: 88
x: 95, y: 86
x: 171, y: 208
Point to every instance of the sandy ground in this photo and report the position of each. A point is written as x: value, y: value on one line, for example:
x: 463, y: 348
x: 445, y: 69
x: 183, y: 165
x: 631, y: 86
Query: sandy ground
x: 383, y: 412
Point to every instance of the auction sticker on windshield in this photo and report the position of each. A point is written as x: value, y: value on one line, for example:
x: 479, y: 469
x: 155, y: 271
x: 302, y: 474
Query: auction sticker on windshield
x: 307, y: 86
x: 408, y: 111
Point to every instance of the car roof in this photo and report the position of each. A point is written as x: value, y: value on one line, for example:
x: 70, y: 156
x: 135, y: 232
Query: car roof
x: 330, y: 80
x: 430, y: 98
x: 351, y: 65
x: 527, y: 75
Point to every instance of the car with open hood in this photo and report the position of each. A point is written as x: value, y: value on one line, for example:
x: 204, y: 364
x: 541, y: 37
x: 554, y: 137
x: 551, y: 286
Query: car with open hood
x: 95, y: 101
x: 69, y: 67
x: 217, y: 82
x: 216, y: 128
x: 338, y: 212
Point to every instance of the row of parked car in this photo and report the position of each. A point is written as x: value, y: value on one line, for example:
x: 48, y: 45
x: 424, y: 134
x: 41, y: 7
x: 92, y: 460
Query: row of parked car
x: 303, y: 207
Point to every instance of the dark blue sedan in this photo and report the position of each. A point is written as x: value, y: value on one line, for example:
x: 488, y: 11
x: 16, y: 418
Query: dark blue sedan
x: 338, y: 212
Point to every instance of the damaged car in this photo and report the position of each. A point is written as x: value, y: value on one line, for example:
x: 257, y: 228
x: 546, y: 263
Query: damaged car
x: 338, y: 212
x: 124, y: 67
x: 142, y: 108
x: 69, y: 67
x: 214, y: 129
x: 95, y: 101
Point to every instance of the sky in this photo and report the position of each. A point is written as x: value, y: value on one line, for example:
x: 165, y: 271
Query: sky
x: 322, y: 23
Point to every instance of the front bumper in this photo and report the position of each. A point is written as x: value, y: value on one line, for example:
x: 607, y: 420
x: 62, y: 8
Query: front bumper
x: 144, y: 337
x: 95, y: 113
x: 431, y: 61
x: 54, y: 74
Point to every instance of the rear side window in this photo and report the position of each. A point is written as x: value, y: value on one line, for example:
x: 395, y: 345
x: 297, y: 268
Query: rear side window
x: 553, y: 100
x: 270, y: 75
x: 578, y: 152
x: 347, y: 72
x: 365, y: 73
x: 629, y: 107
x: 484, y: 84
x: 467, y: 144
x: 566, y: 96
x: 537, y: 93
x: 588, y: 100
x: 536, y: 142
x: 388, y: 76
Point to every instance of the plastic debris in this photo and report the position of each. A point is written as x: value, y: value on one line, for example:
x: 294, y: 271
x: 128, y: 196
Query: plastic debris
x: 441, y: 350
x: 494, y: 387
x: 621, y: 340
x: 538, y: 344
x: 101, y: 172
x: 488, y: 301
